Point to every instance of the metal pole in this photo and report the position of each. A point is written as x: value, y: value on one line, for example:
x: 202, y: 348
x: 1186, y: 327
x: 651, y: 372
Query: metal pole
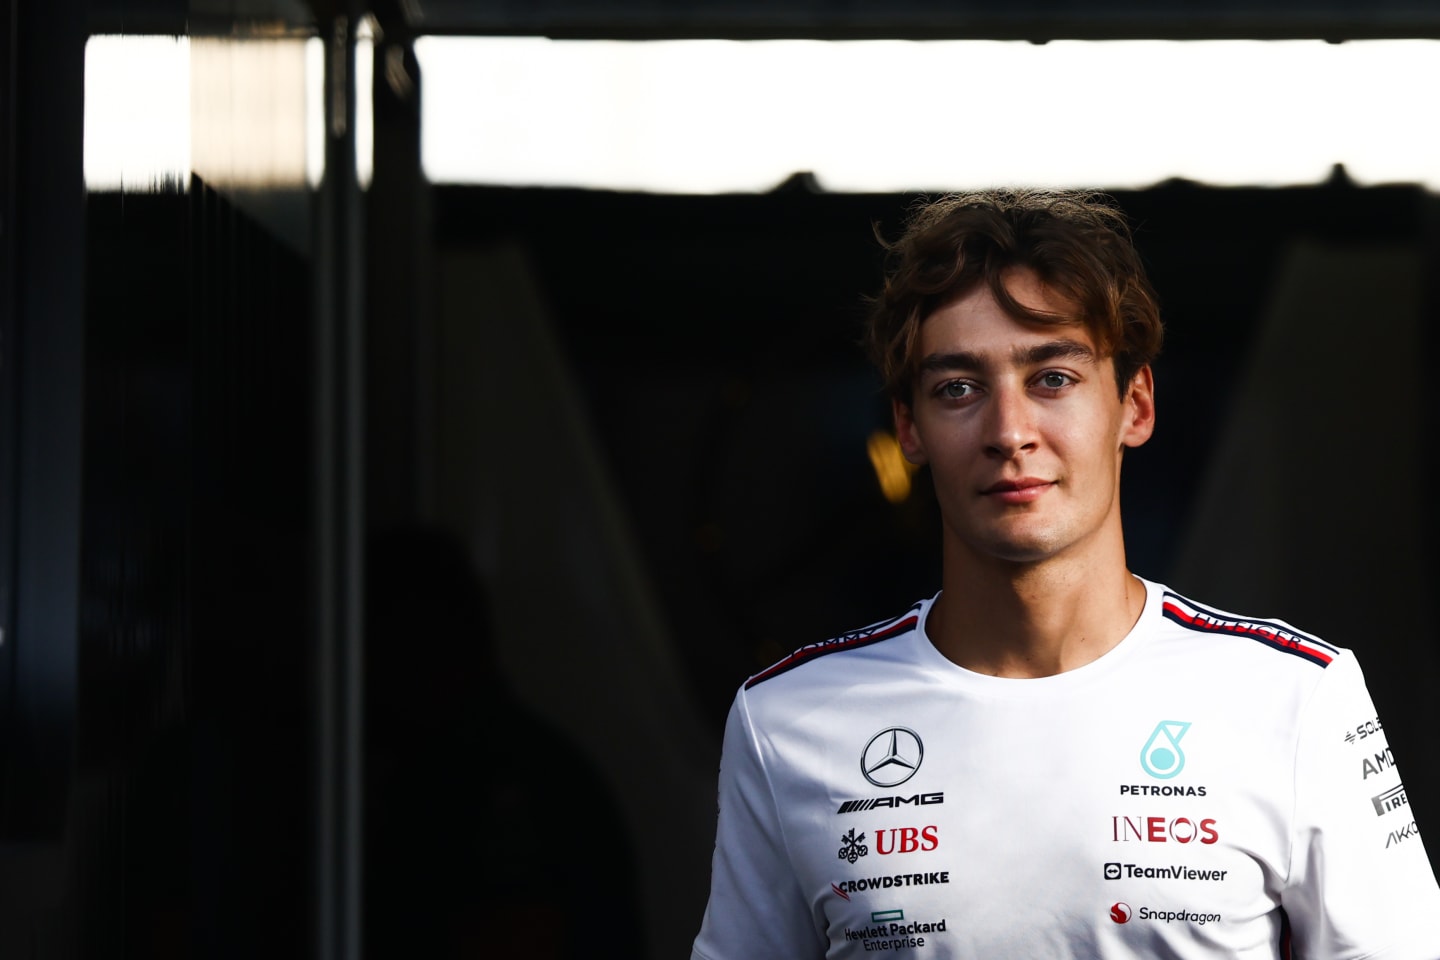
x: 339, y: 515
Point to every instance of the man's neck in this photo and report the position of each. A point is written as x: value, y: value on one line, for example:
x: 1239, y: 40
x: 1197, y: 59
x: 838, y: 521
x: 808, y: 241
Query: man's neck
x: 1033, y: 620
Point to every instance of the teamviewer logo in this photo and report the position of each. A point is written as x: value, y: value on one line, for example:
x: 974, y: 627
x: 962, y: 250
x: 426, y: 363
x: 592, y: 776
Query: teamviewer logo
x: 1112, y: 871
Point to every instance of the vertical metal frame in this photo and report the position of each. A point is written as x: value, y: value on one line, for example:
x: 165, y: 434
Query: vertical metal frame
x: 41, y: 401
x: 8, y: 423
x: 339, y: 515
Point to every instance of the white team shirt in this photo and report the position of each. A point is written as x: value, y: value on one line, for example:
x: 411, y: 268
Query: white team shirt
x: 1176, y: 797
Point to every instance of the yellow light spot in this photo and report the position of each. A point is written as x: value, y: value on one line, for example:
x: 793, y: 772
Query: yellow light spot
x: 892, y: 470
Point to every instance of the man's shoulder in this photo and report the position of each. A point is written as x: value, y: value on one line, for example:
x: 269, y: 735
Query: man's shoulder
x: 1261, y: 636
x: 864, y: 638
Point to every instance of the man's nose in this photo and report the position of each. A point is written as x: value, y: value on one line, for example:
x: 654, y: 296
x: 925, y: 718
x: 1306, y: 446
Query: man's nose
x: 1010, y: 423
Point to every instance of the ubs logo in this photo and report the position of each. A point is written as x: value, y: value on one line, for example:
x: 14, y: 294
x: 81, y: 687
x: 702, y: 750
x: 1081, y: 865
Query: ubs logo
x: 1161, y: 757
x: 907, y: 839
x: 892, y: 756
x: 852, y: 848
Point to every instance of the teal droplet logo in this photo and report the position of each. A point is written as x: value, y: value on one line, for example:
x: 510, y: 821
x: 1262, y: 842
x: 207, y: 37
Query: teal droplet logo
x: 1161, y: 757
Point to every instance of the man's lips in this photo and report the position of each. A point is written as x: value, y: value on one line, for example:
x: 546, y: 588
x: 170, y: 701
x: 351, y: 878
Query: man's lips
x: 1023, y: 490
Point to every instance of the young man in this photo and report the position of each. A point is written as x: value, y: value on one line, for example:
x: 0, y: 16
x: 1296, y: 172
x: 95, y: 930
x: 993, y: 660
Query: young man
x: 1052, y: 757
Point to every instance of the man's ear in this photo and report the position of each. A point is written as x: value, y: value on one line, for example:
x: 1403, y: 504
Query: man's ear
x: 905, y: 432
x: 1139, y: 421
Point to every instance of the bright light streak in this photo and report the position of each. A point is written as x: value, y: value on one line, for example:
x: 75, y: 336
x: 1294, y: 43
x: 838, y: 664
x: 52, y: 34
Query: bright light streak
x: 710, y: 116
x: 137, y: 113
x: 365, y: 101
x: 239, y: 111
x: 248, y: 111
x: 892, y: 470
x: 314, y: 112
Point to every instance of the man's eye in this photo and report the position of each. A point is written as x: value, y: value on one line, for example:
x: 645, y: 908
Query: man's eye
x: 956, y: 389
x: 1054, y: 381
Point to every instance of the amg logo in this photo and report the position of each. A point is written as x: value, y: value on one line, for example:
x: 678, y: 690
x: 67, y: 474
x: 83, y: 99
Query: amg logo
x: 1390, y: 801
x: 919, y: 799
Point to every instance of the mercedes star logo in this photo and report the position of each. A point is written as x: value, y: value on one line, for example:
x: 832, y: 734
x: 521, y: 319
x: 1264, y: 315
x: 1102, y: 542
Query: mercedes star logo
x: 892, y: 756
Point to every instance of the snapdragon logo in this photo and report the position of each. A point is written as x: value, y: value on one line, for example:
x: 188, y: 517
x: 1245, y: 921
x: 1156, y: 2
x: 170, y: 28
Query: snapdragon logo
x: 1161, y: 757
x: 1177, y: 916
x: 1123, y: 913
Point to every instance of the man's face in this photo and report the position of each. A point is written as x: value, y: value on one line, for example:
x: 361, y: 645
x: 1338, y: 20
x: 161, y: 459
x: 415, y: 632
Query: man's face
x: 1022, y: 426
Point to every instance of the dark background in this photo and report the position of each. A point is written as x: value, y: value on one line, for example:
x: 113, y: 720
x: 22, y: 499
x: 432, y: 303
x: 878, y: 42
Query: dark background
x: 376, y: 568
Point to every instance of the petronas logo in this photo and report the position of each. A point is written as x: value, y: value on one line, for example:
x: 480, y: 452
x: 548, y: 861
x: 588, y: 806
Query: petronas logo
x: 1161, y: 757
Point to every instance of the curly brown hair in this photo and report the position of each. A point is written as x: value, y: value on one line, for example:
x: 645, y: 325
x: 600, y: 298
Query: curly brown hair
x: 1078, y: 244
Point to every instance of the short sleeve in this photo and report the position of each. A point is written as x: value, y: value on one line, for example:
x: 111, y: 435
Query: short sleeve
x: 1360, y: 883
x: 756, y: 909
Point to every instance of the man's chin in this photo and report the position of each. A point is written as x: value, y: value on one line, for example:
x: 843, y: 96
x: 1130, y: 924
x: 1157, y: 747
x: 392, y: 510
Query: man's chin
x: 1025, y: 550
x: 1023, y: 555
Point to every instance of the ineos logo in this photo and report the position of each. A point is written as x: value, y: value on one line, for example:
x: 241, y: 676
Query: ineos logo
x: 892, y: 756
x: 1160, y: 830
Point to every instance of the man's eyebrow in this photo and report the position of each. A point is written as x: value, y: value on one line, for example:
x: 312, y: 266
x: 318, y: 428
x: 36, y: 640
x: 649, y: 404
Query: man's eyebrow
x: 959, y: 360
x: 1061, y: 349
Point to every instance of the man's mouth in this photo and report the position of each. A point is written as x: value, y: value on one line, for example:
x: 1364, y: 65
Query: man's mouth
x: 1023, y: 490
